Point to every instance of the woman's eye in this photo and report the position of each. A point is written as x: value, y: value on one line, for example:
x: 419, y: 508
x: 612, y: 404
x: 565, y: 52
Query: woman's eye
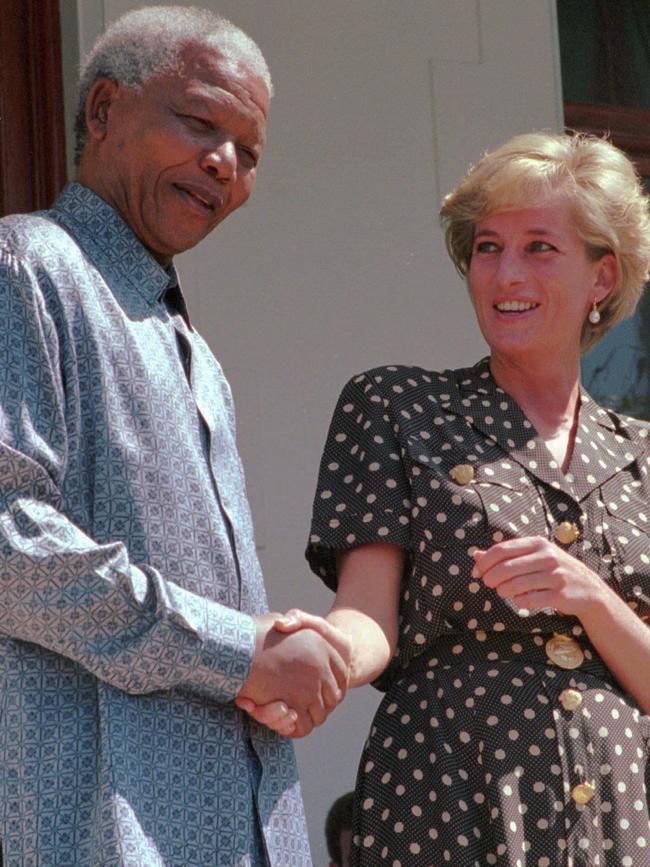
x: 486, y: 247
x: 540, y: 247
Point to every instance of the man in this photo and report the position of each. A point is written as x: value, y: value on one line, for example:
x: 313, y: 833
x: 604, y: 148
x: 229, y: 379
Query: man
x: 338, y: 830
x: 132, y: 610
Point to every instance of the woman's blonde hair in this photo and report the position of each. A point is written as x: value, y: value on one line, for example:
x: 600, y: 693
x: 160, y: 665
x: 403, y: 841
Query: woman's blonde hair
x: 604, y: 193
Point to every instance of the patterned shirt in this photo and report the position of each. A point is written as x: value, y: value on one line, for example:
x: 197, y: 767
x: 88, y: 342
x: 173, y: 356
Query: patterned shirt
x: 128, y: 570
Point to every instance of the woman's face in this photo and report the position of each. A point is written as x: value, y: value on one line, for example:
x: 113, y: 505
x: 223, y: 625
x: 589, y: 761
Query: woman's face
x: 533, y: 284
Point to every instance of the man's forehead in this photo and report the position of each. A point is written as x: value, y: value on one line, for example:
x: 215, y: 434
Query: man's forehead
x: 204, y: 67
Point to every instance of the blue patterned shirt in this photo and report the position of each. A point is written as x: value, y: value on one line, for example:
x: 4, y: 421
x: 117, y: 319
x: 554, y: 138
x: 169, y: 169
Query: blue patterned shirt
x: 128, y: 571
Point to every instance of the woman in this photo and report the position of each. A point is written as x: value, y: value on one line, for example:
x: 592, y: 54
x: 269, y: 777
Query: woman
x: 488, y: 534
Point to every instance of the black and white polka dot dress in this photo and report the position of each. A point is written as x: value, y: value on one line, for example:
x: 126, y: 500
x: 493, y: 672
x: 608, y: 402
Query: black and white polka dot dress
x: 502, y: 739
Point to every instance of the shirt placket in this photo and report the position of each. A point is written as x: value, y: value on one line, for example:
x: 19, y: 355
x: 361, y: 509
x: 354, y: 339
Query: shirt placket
x: 207, y: 422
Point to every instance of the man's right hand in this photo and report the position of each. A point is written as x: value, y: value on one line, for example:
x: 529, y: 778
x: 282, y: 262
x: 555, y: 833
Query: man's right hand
x: 304, y: 669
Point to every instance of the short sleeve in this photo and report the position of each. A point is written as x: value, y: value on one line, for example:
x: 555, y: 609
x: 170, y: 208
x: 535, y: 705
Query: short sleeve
x: 363, y: 492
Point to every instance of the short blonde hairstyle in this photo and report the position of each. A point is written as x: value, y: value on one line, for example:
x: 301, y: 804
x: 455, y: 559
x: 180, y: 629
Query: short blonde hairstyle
x: 603, y: 191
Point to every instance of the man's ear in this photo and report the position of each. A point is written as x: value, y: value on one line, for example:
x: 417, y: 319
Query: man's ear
x: 98, y: 105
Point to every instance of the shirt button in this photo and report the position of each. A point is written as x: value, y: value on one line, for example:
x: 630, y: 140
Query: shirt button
x: 566, y: 532
x: 583, y: 793
x: 570, y: 699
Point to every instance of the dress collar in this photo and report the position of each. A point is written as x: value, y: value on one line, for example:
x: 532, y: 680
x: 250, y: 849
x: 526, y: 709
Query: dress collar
x: 601, y: 448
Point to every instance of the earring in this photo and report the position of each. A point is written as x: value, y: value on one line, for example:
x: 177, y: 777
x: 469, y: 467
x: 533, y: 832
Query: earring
x: 594, y: 316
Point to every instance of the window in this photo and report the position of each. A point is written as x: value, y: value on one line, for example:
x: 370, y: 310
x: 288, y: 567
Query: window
x: 606, y: 85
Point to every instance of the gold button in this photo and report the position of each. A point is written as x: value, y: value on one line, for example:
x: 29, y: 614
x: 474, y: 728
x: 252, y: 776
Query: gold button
x: 564, y: 652
x: 463, y: 474
x: 566, y: 532
x: 570, y: 699
x: 583, y: 793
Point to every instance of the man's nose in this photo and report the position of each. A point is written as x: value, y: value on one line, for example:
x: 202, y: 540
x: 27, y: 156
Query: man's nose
x: 221, y: 159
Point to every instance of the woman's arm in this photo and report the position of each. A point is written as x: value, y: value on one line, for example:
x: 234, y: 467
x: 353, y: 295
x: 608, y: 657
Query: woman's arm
x: 366, y: 606
x: 364, y: 615
x: 623, y: 641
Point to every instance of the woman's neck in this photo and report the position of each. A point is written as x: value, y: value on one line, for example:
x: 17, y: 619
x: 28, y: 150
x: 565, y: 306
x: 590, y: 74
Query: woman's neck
x: 548, y: 397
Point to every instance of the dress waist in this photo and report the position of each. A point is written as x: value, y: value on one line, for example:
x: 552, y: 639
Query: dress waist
x: 553, y: 650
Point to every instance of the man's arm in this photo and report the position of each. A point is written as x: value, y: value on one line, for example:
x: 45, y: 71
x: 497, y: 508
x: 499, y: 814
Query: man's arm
x: 59, y: 588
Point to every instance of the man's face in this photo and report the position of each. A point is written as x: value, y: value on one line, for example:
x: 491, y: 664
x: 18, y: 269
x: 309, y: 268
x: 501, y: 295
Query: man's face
x: 345, y: 841
x: 180, y: 154
x: 346, y: 845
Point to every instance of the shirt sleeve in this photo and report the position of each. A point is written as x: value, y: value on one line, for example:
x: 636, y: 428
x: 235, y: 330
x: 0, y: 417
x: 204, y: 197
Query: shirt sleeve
x: 59, y: 588
x: 363, y: 493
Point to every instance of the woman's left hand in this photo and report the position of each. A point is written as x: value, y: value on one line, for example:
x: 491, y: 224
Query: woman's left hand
x: 536, y: 573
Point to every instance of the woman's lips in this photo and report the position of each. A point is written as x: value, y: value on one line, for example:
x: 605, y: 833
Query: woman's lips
x: 515, y: 306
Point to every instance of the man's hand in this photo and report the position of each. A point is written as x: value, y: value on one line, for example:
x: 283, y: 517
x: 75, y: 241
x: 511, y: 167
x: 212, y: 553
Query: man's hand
x: 303, y: 670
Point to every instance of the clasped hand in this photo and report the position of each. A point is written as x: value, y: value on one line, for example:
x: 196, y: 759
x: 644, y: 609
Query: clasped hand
x: 299, y: 674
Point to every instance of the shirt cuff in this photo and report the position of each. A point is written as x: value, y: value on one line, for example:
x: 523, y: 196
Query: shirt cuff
x: 226, y: 654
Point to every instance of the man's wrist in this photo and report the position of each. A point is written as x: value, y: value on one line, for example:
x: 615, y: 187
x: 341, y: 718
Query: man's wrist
x: 227, y: 652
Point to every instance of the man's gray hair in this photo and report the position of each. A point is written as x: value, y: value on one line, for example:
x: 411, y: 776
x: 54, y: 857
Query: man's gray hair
x: 150, y: 41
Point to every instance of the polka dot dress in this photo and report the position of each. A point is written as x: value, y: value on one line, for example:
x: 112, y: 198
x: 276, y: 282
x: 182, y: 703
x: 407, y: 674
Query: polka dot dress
x: 487, y: 748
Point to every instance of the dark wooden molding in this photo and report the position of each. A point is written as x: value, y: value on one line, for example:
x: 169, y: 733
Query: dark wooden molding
x: 627, y: 128
x: 32, y: 135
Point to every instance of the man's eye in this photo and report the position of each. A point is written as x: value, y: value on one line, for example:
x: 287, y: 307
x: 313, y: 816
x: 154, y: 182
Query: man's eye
x: 249, y: 156
x: 197, y: 122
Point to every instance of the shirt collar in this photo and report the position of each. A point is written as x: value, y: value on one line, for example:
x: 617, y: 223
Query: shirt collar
x: 174, y: 299
x: 109, y: 242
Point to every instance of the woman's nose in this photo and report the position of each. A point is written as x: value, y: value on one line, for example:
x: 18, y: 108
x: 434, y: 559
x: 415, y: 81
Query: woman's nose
x: 511, y: 268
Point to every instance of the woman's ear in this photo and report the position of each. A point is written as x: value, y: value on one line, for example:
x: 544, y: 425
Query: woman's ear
x: 606, y: 276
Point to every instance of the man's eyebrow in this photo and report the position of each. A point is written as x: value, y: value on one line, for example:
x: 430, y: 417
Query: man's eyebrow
x: 199, y: 99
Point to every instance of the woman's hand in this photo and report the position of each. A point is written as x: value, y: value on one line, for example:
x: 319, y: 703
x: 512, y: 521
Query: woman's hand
x: 536, y: 573
x: 276, y: 715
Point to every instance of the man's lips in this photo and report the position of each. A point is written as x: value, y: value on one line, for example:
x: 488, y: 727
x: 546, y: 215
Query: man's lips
x: 206, y: 199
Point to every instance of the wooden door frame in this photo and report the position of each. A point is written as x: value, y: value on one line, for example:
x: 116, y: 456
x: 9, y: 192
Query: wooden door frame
x: 32, y: 134
x: 627, y: 128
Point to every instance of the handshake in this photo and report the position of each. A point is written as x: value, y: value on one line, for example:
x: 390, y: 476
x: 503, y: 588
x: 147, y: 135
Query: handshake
x: 300, y: 672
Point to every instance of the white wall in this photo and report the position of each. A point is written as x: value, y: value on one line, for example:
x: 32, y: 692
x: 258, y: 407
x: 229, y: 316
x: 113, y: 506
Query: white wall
x: 337, y: 262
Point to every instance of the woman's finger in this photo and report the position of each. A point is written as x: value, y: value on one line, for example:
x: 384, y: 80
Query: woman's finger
x: 529, y: 567
x: 275, y: 715
x: 511, y: 549
x: 293, y: 620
